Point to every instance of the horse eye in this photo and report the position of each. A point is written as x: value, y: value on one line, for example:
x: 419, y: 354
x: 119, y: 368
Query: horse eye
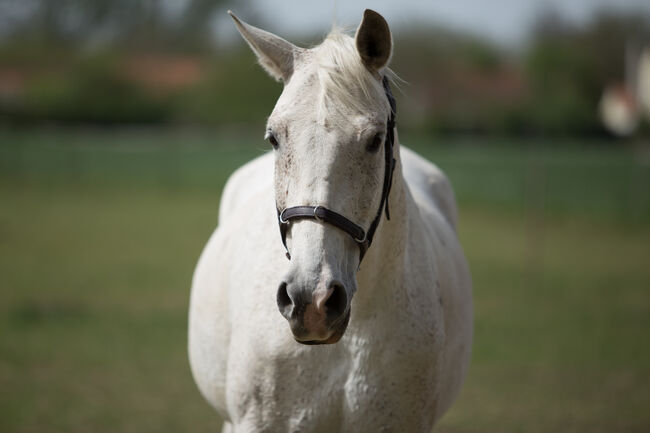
x: 269, y: 136
x: 374, y: 144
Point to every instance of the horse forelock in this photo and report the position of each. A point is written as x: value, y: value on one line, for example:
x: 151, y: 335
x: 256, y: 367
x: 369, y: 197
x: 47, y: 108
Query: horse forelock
x: 346, y: 85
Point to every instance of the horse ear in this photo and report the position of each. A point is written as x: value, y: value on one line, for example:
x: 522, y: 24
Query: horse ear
x: 373, y: 40
x: 276, y: 55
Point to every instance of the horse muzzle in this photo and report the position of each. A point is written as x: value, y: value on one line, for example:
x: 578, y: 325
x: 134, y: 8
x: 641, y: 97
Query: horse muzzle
x: 315, y: 317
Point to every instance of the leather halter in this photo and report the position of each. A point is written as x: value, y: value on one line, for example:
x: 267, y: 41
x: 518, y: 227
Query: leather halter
x: 320, y: 213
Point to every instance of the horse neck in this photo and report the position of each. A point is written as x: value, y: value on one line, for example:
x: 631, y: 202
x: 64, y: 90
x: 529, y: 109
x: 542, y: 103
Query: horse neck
x: 383, y: 264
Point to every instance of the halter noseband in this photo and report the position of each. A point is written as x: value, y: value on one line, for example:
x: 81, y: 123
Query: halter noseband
x: 320, y: 213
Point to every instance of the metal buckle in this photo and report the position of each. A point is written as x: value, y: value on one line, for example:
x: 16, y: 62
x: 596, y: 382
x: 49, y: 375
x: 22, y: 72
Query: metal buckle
x: 316, y: 217
x: 282, y: 220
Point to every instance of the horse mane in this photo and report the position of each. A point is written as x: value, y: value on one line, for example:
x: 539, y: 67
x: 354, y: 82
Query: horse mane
x: 346, y: 84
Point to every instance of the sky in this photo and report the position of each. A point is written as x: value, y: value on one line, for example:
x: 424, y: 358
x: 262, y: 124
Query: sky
x: 505, y: 22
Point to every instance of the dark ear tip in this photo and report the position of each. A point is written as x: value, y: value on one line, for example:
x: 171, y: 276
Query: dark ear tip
x: 374, y: 20
x: 369, y: 14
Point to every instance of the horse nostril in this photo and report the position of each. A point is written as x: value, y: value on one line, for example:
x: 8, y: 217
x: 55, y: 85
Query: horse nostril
x: 337, y: 301
x: 285, y: 303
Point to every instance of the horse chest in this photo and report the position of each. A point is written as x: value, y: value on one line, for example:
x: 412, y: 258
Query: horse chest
x: 358, y: 385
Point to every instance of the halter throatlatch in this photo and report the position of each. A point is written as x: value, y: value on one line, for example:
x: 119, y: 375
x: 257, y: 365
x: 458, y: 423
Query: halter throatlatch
x: 320, y: 213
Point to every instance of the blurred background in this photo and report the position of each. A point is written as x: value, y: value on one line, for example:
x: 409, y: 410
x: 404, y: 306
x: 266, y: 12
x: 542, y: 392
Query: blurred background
x: 120, y: 122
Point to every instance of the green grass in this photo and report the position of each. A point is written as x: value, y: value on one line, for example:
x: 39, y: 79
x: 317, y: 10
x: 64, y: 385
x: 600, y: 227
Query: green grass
x: 100, y: 231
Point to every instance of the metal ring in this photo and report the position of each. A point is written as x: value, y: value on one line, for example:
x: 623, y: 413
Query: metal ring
x: 283, y: 221
x: 316, y: 217
x: 361, y: 241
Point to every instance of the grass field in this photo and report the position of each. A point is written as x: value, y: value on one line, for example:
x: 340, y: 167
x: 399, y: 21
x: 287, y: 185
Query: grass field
x: 100, y: 231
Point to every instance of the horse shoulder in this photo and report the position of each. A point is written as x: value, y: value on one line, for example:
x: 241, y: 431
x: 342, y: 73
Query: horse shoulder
x: 209, y: 324
x: 247, y: 181
x: 433, y: 195
x: 429, y: 185
x: 209, y: 319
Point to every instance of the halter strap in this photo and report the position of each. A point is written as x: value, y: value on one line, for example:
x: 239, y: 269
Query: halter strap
x: 320, y: 213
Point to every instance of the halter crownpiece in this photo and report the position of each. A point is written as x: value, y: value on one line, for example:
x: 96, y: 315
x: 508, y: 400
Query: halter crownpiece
x: 320, y: 213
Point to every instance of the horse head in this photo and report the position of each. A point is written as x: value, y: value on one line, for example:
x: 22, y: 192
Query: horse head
x: 331, y: 131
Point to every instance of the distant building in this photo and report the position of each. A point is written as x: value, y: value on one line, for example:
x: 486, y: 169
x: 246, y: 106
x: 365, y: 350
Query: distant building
x: 162, y: 73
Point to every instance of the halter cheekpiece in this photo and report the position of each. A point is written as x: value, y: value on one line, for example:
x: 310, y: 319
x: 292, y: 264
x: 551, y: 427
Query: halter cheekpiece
x: 320, y: 213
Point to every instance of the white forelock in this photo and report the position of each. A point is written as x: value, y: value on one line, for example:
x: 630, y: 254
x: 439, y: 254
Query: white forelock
x: 346, y: 84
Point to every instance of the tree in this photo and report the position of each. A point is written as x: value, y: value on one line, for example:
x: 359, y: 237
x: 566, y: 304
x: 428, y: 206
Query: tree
x: 79, y: 22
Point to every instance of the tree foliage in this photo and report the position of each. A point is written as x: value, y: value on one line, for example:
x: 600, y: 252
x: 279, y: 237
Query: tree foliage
x: 153, y: 23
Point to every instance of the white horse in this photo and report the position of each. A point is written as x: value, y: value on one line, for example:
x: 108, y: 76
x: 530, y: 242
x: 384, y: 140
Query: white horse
x: 401, y: 319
